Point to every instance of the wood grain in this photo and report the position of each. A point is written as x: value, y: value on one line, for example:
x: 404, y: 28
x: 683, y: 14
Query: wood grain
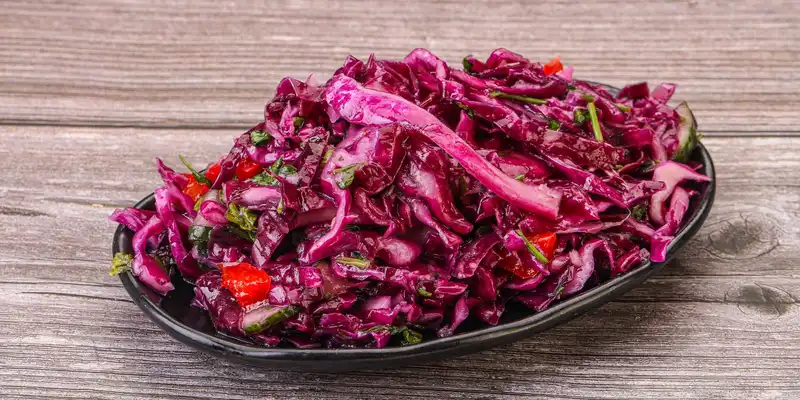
x: 209, y: 64
x: 92, y: 91
x: 720, y: 322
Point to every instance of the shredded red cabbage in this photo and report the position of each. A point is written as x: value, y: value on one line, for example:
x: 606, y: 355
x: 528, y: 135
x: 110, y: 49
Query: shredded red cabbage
x: 401, y: 199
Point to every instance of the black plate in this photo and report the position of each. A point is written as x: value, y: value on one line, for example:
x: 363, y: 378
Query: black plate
x: 191, y: 325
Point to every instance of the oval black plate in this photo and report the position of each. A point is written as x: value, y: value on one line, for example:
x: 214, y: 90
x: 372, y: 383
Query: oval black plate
x: 191, y: 325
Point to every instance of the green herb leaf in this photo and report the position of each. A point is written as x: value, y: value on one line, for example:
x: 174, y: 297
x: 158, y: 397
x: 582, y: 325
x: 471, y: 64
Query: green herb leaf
x: 588, y: 98
x: 623, y: 107
x: 346, y: 175
x: 598, y: 133
x: 572, y: 87
x: 197, y: 176
x: 265, y: 178
x: 580, y: 115
x: 520, y: 177
x: 424, y: 293
x: 198, y: 203
x: 199, y: 233
x: 241, y: 217
x: 278, y: 168
x: 553, y: 124
x: 467, y: 65
x: 279, y: 208
x: 392, y: 329
x: 532, y: 248
x: 120, y: 263
x: 298, y: 123
x: 531, y: 100
x: 470, y: 112
x: 648, y: 166
x: 411, y: 337
x: 558, y: 291
x: 639, y: 211
x: 246, y: 235
x: 358, y: 262
x: 267, y: 317
x: 327, y: 156
x: 259, y: 137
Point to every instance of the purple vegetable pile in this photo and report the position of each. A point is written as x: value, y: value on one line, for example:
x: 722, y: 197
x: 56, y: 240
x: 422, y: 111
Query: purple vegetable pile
x: 401, y: 198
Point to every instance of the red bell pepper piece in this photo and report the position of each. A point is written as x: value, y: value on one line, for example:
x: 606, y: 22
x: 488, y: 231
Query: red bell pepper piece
x: 194, y: 189
x: 553, y: 66
x: 213, y: 172
x: 546, y: 243
x: 247, y: 169
x: 509, y: 261
x: 248, y: 284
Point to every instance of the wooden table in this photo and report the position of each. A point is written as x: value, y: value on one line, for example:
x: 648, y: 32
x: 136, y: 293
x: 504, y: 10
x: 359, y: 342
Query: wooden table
x: 92, y: 91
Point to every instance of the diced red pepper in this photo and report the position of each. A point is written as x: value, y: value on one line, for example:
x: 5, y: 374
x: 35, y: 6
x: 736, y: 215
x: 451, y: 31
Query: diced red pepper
x: 248, y: 284
x: 247, y: 169
x: 213, y: 172
x: 194, y: 189
x: 546, y: 242
x: 510, y: 262
x: 553, y: 66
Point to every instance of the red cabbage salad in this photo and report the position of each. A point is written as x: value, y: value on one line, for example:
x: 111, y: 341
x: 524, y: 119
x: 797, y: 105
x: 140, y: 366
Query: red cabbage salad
x: 401, y: 198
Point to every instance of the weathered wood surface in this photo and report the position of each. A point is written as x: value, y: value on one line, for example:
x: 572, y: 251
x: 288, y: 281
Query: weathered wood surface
x: 204, y: 63
x: 721, y: 322
x: 184, y: 77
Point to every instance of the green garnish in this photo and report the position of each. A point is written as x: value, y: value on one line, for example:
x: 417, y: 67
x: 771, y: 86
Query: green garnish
x: 278, y: 168
x: 467, y: 65
x: 520, y: 177
x: 197, y: 176
x: 580, y: 115
x: 358, y: 262
x: 623, y: 107
x: 502, y: 95
x: 553, y: 124
x: 199, y: 236
x: 246, y: 235
x: 424, y: 293
x: 346, y: 175
x: 470, y: 112
x: 199, y: 233
x: 265, y: 178
x: 572, y: 87
x: 241, y: 217
x: 298, y: 123
x: 409, y: 336
x: 197, y: 204
x: 259, y: 137
x: 588, y: 98
x: 327, y: 156
x: 120, y: 263
x: 279, y: 208
x: 532, y: 248
x: 598, y: 134
x: 269, y: 317
x: 639, y: 211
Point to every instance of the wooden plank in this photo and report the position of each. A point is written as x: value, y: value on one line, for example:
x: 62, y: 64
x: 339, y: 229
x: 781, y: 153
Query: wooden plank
x: 721, y: 322
x: 203, y: 64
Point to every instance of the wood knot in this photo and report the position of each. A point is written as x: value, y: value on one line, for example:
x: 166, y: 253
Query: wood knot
x: 762, y: 300
x: 743, y: 236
